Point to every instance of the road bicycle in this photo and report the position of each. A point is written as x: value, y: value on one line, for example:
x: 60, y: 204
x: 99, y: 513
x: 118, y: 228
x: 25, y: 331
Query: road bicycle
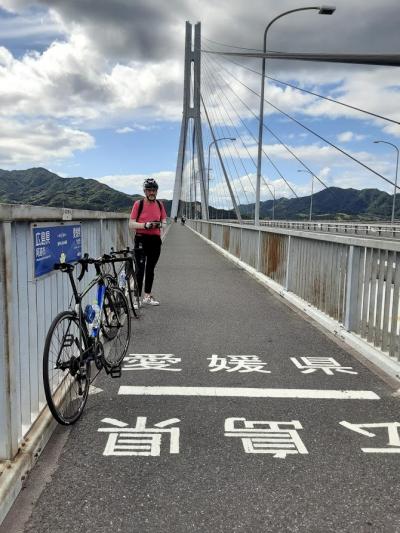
x: 78, y: 337
x: 125, y: 276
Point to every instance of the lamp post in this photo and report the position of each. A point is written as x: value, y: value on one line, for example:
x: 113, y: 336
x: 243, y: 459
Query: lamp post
x: 395, y: 181
x: 322, y: 10
x: 208, y: 165
x: 312, y: 191
x: 273, y: 200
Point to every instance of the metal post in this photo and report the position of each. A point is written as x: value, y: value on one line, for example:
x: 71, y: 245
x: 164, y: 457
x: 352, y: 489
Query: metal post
x: 273, y: 204
x: 208, y: 178
x: 184, y: 125
x: 395, y: 182
x: 235, y: 206
x: 322, y: 10
x: 395, y: 186
x: 351, y: 320
x: 197, y: 117
x: 9, y: 368
x: 312, y: 192
x: 288, y: 257
x: 208, y: 166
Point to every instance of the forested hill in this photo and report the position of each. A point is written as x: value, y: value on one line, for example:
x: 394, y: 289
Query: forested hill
x: 335, y: 203
x: 38, y: 186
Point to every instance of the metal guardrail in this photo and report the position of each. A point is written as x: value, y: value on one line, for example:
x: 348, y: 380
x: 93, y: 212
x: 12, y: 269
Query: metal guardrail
x: 352, y: 279
x: 372, y: 229
x: 29, y: 304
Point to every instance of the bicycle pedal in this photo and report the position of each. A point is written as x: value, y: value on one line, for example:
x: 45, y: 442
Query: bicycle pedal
x: 116, y: 372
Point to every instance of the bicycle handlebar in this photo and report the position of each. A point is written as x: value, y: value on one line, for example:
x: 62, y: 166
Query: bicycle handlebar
x: 84, y: 262
x: 124, y: 251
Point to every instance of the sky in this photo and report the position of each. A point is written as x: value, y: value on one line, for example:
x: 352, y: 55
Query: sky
x: 94, y: 88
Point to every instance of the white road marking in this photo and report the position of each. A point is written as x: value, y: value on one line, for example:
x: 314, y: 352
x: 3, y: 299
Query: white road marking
x: 94, y: 390
x: 249, y: 392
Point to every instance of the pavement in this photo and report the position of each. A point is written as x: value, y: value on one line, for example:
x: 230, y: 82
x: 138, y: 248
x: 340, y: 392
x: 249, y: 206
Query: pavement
x: 266, y: 424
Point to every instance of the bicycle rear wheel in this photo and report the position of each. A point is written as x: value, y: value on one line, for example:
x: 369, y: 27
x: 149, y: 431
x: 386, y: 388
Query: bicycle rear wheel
x: 66, y: 378
x: 132, y: 290
x: 116, y: 326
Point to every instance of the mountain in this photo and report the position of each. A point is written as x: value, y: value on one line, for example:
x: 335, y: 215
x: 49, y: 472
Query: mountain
x: 38, y: 186
x: 330, y: 203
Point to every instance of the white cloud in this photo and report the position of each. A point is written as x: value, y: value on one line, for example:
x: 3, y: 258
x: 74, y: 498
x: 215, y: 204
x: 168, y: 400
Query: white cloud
x: 133, y: 183
x: 36, y: 142
x: 72, y: 80
x: 127, y: 129
x: 346, y: 136
x: 108, y: 69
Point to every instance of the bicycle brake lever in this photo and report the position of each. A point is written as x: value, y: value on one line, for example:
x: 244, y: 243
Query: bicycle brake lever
x: 84, y: 266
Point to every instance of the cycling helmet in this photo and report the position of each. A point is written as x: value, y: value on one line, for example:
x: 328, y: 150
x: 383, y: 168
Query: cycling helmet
x: 150, y: 183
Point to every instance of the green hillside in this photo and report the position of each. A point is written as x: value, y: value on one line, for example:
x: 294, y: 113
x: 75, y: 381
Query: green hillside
x: 38, y: 186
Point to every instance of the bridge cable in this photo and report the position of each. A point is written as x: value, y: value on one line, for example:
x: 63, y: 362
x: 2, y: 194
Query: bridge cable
x: 316, y: 94
x: 232, y: 159
x: 274, y: 134
x: 255, y: 140
x: 209, y: 123
x: 237, y: 152
x: 222, y: 200
x: 314, y: 133
x: 243, y: 143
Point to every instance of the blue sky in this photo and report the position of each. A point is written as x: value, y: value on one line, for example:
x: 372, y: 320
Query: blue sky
x: 93, y: 88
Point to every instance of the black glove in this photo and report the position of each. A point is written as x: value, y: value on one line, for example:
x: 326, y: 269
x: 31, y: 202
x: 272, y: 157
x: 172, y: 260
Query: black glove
x: 148, y: 225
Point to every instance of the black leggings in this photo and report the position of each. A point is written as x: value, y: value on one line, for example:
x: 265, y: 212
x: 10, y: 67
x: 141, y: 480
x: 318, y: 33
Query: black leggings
x: 147, y: 252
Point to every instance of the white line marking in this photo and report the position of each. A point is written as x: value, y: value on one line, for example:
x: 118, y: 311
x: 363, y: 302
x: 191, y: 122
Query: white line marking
x: 94, y: 390
x: 249, y: 392
x: 381, y: 450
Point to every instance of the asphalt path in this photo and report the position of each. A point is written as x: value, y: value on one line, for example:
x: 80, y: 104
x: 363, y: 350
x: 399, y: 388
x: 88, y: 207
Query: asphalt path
x: 222, y: 463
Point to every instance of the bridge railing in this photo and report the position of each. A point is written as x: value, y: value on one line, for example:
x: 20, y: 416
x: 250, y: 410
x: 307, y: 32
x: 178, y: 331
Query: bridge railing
x: 28, y: 305
x: 372, y: 229
x: 353, y: 280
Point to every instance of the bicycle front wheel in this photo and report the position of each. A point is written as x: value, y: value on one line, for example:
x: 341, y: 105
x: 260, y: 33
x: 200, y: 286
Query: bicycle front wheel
x: 115, y: 326
x: 66, y: 374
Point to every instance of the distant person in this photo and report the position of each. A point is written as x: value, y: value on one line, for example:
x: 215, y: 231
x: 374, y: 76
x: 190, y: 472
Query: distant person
x: 147, y: 218
x: 175, y: 219
x: 183, y: 220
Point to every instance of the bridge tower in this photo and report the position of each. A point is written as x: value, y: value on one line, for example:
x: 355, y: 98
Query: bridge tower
x: 191, y: 112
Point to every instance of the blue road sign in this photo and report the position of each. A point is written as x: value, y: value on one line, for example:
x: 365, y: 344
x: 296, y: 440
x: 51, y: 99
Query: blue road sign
x: 55, y: 244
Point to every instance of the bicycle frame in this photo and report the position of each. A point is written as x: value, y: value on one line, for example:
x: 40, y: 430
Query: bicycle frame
x: 93, y: 339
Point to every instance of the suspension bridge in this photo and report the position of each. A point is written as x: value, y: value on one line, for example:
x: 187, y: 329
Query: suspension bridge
x: 261, y: 395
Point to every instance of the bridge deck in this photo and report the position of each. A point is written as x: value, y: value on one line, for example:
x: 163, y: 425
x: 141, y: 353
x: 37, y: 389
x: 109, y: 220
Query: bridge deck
x: 216, y: 470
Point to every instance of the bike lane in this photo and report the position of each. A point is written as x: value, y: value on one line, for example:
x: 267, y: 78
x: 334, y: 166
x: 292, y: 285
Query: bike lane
x: 266, y: 424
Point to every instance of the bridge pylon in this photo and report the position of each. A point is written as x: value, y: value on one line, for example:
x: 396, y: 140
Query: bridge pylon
x: 191, y: 112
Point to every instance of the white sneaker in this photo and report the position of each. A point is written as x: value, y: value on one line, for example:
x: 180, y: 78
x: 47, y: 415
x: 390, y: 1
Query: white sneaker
x: 137, y: 304
x: 150, y: 300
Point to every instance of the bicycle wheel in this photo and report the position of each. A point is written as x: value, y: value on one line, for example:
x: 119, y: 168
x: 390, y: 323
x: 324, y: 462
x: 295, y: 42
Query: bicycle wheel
x: 66, y: 378
x: 132, y: 289
x: 109, y: 322
x: 116, y: 326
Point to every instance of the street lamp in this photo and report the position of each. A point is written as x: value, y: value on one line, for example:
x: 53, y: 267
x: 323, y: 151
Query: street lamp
x: 273, y: 199
x: 322, y: 10
x: 395, y: 181
x: 312, y: 190
x: 208, y: 165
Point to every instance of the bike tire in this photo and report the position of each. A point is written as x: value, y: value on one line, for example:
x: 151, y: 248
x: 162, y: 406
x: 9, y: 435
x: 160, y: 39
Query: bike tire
x: 66, y: 378
x: 132, y: 289
x: 107, y: 328
x: 116, y: 326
